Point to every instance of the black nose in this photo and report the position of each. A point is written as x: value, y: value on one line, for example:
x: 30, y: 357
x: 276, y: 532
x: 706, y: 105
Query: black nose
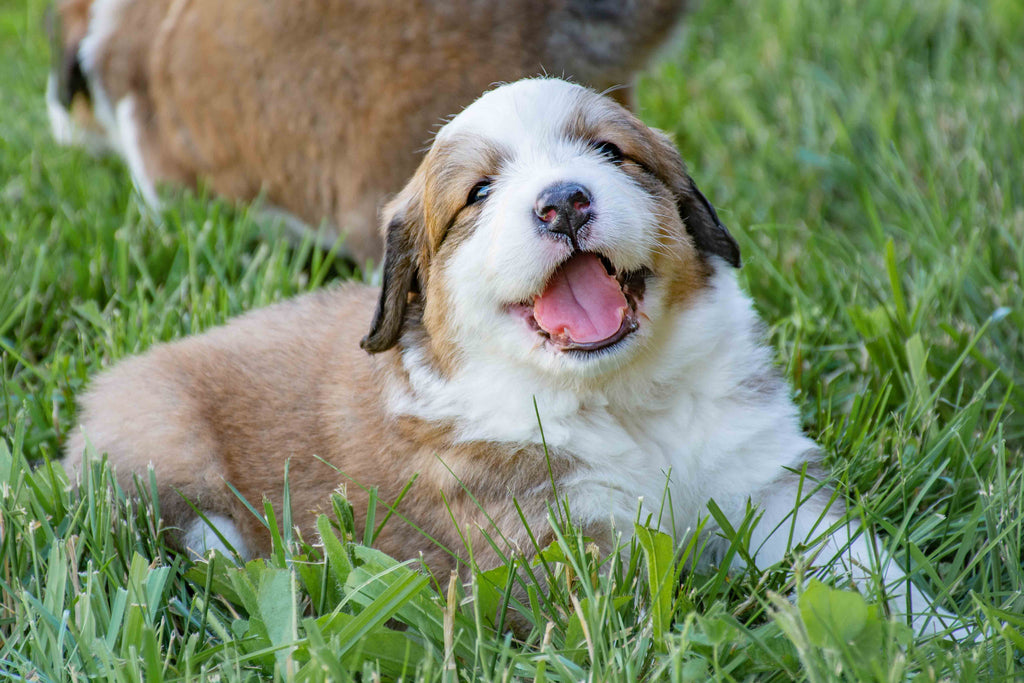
x: 564, y: 209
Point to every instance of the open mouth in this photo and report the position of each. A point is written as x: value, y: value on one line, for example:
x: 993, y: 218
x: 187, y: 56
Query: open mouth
x: 586, y: 304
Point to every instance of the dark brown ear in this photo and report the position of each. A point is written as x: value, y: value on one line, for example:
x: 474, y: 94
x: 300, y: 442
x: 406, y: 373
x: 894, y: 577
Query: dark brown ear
x: 702, y: 222
x: 399, y: 281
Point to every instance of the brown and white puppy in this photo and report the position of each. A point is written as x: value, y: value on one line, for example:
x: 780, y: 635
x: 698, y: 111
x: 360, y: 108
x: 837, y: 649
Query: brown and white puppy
x: 550, y: 248
x: 319, y: 107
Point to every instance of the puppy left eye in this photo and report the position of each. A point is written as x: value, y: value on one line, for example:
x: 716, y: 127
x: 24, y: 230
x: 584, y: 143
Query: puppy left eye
x: 479, y: 192
x: 610, y: 150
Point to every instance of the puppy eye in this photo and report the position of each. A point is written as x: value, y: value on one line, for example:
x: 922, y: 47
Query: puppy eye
x: 479, y: 192
x: 610, y: 150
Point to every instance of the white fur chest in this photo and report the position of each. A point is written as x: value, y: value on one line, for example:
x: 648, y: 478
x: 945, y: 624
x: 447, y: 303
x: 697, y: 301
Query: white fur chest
x: 703, y: 418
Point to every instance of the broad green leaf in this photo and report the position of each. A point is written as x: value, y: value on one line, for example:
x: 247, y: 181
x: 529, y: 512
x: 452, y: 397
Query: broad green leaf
x: 394, y: 651
x: 334, y: 550
x: 832, y: 616
x: 659, y: 551
x: 490, y: 591
x: 277, y: 608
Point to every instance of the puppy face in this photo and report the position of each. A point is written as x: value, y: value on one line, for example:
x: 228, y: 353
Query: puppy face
x: 550, y: 227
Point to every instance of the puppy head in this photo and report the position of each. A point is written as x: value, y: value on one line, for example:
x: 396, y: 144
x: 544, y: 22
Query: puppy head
x: 547, y: 226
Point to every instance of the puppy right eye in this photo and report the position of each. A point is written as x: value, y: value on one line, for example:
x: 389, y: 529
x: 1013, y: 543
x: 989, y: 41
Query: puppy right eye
x: 479, y: 192
x: 611, y: 151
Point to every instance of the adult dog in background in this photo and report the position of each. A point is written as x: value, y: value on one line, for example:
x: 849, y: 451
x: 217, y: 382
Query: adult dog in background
x: 550, y: 248
x: 322, y: 107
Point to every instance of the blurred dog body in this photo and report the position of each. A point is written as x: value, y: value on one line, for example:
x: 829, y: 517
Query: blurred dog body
x: 319, y: 107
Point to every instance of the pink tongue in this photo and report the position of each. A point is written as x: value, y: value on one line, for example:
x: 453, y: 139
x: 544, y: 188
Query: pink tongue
x: 582, y: 301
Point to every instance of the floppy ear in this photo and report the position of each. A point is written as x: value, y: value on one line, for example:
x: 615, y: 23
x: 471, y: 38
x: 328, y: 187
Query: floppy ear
x: 702, y: 222
x: 399, y: 281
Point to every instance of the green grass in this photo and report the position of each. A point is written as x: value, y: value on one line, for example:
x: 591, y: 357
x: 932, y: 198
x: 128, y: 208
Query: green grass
x: 868, y: 156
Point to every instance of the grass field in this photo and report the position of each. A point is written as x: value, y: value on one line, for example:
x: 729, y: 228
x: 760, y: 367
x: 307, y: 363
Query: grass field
x: 869, y: 157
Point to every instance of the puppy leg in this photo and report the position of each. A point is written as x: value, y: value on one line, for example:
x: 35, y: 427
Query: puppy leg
x: 786, y: 521
x: 141, y: 415
x: 216, y: 532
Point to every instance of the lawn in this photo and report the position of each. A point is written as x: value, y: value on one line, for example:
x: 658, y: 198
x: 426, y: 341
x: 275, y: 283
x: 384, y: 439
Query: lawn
x: 869, y: 158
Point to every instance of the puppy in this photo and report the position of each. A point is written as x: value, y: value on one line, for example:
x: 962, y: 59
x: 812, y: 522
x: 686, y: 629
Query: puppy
x: 551, y: 248
x: 320, y: 108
